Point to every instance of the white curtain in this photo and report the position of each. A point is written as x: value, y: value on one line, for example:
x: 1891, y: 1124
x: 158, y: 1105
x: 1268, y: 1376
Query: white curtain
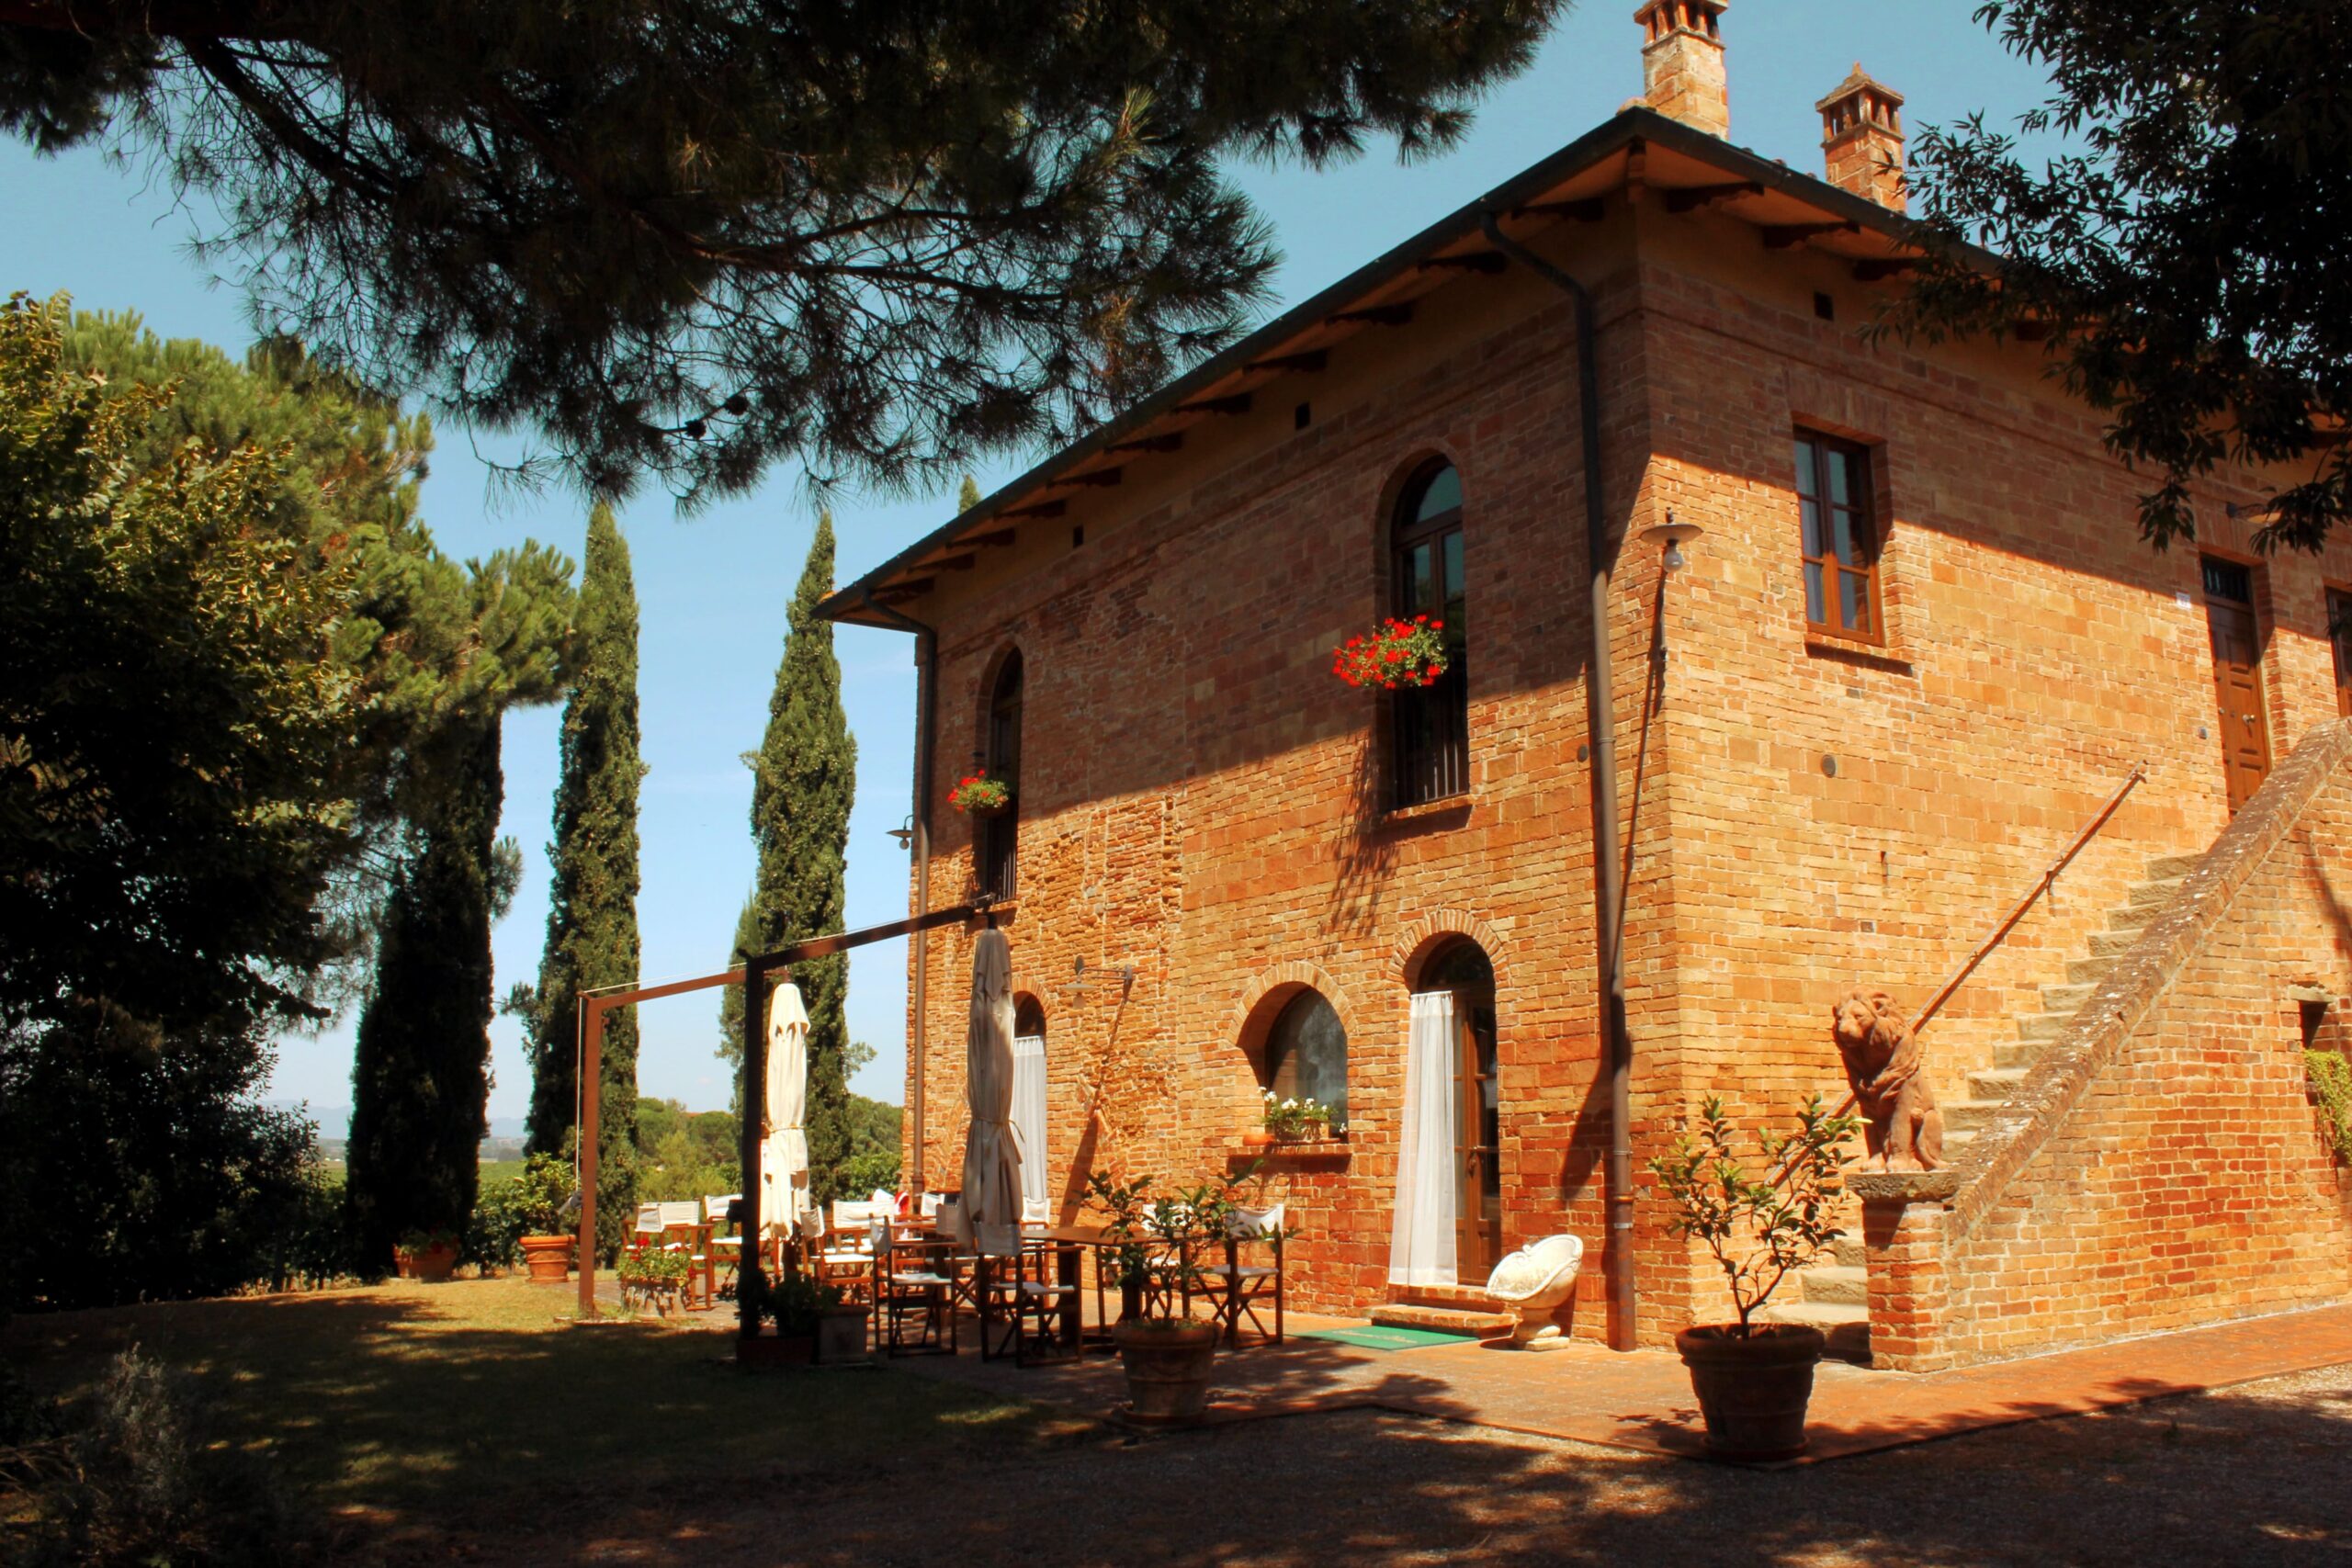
x: 1029, y: 1125
x: 1420, y: 1243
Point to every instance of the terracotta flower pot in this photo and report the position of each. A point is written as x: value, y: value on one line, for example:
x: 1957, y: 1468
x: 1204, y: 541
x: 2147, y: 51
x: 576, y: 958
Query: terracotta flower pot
x: 777, y: 1351
x: 432, y: 1264
x: 1168, y: 1368
x: 548, y: 1258
x: 1753, y: 1391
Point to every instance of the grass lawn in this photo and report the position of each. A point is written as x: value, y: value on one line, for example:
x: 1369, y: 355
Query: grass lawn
x: 410, y: 1412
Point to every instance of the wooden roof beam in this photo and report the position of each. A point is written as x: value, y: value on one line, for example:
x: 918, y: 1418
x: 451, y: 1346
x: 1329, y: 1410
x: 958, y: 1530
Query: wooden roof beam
x: 1237, y: 403
x: 1880, y: 271
x: 1783, y: 236
x: 1374, y: 316
x: 913, y: 588
x: 1172, y: 442
x: 1101, y: 478
x: 996, y: 540
x: 1037, y: 509
x: 1693, y: 197
x: 1590, y: 210
x: 1312, y: 359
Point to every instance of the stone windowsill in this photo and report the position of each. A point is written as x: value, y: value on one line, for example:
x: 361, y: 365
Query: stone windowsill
x: 1257, y: 1145
x: 1905, y: 1186
x: 1886, y: 656
x: 1452, y: 810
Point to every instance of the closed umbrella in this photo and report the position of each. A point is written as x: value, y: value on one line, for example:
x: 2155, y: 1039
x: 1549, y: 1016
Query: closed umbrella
x: 784, y: 1205
x: 991, y: 1158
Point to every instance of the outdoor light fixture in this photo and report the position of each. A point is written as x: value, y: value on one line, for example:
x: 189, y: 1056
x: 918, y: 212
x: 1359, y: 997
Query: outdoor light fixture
x: 1673, y: 536
x: 905, y: 833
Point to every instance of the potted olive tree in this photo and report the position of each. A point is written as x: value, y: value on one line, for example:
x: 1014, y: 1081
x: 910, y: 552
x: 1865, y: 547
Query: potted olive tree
x: 546, y: 1195
x: 1168, y: 1354
x: 1753, y: 1379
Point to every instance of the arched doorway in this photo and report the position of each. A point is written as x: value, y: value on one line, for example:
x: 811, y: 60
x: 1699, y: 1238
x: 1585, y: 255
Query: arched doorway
x: 1462, y: 970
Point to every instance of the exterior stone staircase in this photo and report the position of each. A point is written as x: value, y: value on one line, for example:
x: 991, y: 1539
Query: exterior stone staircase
x: 1446, y: 1309
x: 1834, y: 1296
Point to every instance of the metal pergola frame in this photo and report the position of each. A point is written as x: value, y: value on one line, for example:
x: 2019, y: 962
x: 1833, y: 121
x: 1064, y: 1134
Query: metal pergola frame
x: 754, y: 977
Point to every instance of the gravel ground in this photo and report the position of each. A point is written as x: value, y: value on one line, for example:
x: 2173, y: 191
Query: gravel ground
x: 2256, y: 1474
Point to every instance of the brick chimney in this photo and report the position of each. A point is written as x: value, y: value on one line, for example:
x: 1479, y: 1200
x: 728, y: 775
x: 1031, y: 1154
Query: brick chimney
x: 1861, y: 138
x: 1682, y: 63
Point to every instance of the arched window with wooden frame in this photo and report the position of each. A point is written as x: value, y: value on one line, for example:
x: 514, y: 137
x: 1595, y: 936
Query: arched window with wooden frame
x: 996, y: 848
x: 1429, y: 725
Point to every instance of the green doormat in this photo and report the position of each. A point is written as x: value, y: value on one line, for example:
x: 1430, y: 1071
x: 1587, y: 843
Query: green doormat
x: 1380, y: 1337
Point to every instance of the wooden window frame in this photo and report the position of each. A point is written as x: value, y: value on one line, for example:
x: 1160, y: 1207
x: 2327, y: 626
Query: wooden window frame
x: 1404, y: 535
x: 2337, y: 603
x: 1871, y: 528
x: 996, y: 846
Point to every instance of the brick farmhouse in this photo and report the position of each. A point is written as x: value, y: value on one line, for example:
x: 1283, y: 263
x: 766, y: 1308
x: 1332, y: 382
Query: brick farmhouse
x: 1917, y: 644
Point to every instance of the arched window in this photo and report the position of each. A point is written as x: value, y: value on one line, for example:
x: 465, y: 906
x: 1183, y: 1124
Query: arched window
x: 997, y: 851
x: 1429, y: 758
x: 1307, y: 1054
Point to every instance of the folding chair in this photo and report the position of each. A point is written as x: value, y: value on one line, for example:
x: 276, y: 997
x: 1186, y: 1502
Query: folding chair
x: 845, y: 1259
x: 1012, y: 1286
x: 910, y: 1287
x: 1236, y: 1290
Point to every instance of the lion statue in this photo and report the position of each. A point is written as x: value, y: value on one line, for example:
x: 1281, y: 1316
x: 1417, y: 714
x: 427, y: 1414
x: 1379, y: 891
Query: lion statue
x: 1905, y: 1131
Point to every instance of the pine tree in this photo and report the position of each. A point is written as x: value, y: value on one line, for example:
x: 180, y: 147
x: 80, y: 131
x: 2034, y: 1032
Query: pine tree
x: 804, y: 778
x: 699, y: 238
x: 420, y: 1076
x: 592, y: 906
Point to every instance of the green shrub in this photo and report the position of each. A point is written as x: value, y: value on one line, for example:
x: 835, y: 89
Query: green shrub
x: 541, y: 1200
x: 2332, y: 1089
x: 138, y: 1482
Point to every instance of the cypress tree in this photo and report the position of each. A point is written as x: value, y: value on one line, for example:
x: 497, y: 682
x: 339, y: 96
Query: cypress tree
x: 803, y: 778
x: 421, y: 1073
x: 420, y: 1077
x: 592, y: 906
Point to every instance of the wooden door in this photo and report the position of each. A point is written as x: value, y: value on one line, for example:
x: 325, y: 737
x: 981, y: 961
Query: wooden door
x: 2237, y: 677
x: 1478, y: 1209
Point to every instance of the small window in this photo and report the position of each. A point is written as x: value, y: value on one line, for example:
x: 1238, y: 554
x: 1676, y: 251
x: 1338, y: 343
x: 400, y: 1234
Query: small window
x: 1307, y: 1054
x: 2339, y: 634
x: 1841, y: 538
x: 1430, y: 754
x: 2228, y: 579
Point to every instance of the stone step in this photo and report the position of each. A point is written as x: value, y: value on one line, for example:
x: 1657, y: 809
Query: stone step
x: 1848, y: 1328
x: 2021, y: 1055
x: 1468, y: 1298
x: 1445, y: 1320
x: 2113, y: 945
x: 2087, y: 970
x: 2041, y: 1028
x: 1998, y: 1083
x: 1836, y: 1283
x: 2155, y: 895
x: 1847, y: 1251
x: 1971, y: 1115
x: 2068, y: 1000
x: 2172, y: 868
x: 2134, y: 919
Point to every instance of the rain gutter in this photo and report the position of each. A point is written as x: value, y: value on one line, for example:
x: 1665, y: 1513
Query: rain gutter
x: 1601, y: 723
x: 926, y: 711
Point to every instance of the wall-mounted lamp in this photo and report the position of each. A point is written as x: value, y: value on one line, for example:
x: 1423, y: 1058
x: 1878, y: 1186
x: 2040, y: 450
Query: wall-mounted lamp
x: 905, y: 833
x: 1671, y: 536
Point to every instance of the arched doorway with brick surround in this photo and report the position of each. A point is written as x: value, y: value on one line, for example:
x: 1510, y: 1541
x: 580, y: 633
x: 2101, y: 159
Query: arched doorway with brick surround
x: 1448, y: 952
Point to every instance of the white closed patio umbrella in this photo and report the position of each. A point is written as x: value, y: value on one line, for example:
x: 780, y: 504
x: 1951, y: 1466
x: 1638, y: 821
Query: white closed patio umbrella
x: 992, y: 1156
x: 785, y: 1208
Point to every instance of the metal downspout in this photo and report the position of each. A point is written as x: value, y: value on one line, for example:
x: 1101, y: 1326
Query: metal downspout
x: 1601, y: 722
x: 926, y: 701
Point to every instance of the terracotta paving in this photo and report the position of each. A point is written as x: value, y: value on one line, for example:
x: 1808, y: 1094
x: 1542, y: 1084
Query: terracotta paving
x: 1642, y: 1400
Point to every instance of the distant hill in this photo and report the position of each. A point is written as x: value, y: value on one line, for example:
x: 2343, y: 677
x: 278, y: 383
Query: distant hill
x: 334, y: 1120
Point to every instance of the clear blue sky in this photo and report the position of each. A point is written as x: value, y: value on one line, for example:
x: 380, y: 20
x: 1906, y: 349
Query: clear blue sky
x: 713, y: 589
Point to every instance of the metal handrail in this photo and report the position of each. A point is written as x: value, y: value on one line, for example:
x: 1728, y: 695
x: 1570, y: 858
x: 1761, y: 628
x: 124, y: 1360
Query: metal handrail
x: 2033, y: 895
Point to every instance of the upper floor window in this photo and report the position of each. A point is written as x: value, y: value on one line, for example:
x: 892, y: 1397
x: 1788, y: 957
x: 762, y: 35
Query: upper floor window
x: 2339, y: 634
x: 1431, y: 758
x: 996, y: 851
x: 1841, y: 538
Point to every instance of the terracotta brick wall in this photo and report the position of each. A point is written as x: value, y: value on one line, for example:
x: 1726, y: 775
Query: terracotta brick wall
x: 1200, y: 795
x: 2171, y: 1171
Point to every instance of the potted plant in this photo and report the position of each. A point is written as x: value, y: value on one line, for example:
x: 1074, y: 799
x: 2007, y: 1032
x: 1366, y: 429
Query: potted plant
x: 1293, y: 1120
x: 1753, y: 1379
x: 977, y: 794
x: 544, y: 1196
x: 426, y: 1255
x: 1398, y: 655
x: 1168, y: 1354
x: 654, y: 1275
x: 794, y: 1312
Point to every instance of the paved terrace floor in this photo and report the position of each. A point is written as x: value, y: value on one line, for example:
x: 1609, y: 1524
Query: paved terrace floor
x: 1642, y: 1398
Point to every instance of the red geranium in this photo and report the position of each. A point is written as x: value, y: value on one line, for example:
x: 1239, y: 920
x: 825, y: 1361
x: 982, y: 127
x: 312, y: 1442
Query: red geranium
x: 1401, y: 654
